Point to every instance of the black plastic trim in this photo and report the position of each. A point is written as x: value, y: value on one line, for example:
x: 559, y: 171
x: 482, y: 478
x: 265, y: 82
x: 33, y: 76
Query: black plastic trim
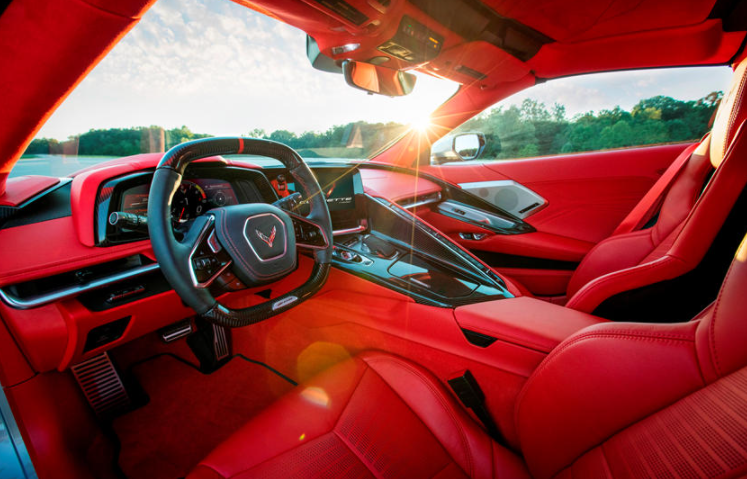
x: 51, y: 204
x: 478, y: 339
x: 499, y: 260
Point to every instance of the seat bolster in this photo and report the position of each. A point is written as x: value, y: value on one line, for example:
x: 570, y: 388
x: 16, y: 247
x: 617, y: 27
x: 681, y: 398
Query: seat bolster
x: 722, y: 332
x: 731, y: 113
x: 596, y: 291
x: 306, y: 413
x: 438, y: 409
x: 599, y: 381
x: 613, y: 254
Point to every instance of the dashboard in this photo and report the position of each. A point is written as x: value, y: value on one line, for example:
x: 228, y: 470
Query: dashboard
x: 205, y: 187
x: 98, y: 284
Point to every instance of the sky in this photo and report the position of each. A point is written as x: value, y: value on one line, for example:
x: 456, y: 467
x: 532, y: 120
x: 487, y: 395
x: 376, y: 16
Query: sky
x: 223, y: 69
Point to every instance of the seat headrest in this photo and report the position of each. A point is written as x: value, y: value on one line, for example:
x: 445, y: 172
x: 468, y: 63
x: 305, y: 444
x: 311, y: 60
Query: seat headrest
x: 731, y: 112
x: 723, y: 331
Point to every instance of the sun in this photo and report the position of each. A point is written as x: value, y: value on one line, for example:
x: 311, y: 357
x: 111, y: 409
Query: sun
x: 421, y: 124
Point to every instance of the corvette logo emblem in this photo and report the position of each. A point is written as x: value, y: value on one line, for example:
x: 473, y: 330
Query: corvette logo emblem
x: 264, y: 237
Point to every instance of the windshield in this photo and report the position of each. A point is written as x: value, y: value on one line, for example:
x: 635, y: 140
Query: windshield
x: 192, y: 69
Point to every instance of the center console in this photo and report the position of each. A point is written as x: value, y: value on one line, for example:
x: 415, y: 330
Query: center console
x: 400, y: 252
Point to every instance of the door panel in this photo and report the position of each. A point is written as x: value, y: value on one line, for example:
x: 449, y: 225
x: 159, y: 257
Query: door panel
x: 508, y: 195
x: 585, y: 197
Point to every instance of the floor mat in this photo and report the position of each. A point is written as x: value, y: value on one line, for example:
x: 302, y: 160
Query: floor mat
x: 189, y: 413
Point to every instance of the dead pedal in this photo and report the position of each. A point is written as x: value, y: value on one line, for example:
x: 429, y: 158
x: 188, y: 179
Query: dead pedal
x: 102, y: 385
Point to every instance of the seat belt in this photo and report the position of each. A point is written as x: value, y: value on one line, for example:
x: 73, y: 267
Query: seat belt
x: 649, y: 204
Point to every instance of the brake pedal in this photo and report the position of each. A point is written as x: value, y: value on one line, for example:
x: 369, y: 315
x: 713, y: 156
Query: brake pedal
x: 175, y: 331
x: 102, y: 385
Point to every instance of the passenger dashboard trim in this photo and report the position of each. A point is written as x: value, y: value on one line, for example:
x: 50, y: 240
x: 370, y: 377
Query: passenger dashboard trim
x: 72, y: 291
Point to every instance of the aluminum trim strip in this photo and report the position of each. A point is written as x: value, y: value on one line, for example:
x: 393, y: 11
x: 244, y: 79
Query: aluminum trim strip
x: 72, y: 291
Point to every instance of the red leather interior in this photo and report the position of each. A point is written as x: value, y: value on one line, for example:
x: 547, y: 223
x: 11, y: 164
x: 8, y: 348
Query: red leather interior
x: 614, y: 400
x: 395, y: 186
x: 27, y: 253
x: 610, y: 376
x: 524, y: 321
x: 649, y: 205
x: 332, y: 429
x: 302, y: 342
x: 544, y: 282
x: 22, y: 188
x: 588, y: 195
x: 682, y: 249
x: 654, y: 48
x: 626, y: 250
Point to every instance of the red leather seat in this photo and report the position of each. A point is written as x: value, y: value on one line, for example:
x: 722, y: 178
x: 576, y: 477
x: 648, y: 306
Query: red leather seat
x: 688, y: 221
x: 614, y: 400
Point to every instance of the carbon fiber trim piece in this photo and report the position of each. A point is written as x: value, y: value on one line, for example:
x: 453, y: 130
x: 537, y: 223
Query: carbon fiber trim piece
x: 223, y: 316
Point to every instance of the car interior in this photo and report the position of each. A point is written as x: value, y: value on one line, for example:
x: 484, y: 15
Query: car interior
x: 190, y: 314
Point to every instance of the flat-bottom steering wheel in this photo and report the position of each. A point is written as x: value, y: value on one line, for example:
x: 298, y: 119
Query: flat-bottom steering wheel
x: 256, y: 241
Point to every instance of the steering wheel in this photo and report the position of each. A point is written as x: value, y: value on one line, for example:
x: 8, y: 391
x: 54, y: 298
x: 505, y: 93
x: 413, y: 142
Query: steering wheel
x: 256, y: 241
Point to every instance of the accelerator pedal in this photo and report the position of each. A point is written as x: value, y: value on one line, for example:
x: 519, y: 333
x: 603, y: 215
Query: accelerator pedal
x: 102, y: 385
x: 220, y: 342
x: 211, y: 344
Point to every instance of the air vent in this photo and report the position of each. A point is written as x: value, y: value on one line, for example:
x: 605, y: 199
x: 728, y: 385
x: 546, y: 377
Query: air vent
x: 416, y: 201
x: 101, y: 385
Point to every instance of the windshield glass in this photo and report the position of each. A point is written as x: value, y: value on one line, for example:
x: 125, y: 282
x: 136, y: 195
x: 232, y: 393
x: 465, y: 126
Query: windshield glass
x: 192, y: 69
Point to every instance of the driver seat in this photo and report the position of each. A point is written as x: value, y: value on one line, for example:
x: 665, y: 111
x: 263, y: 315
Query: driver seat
x: 613, y: 400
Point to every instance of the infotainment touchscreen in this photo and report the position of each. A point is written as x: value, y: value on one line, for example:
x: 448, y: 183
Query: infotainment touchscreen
x: 338, y: 187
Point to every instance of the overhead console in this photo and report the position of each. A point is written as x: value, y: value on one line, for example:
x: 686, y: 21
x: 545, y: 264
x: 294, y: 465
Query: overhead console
x: 414, y: 42
x: 473, y: 21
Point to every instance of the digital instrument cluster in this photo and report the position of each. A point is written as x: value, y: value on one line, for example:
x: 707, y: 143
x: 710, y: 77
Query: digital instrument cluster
x: 193, y: 198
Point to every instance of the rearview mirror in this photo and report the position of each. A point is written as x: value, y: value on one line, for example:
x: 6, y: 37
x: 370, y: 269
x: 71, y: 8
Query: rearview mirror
x: 378, y: 79
x: 462, y: 147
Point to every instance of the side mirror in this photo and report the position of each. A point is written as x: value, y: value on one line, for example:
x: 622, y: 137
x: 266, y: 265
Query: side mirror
x: 469, y: 146
x: 462, y: 147
x: 378, y: 79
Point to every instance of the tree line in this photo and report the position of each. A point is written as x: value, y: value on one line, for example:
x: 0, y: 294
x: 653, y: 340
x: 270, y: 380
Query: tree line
x: 517, y: 131
x: 532, y: 129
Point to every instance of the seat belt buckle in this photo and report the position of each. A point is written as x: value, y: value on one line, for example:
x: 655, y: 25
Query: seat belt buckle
x: 471, y: 395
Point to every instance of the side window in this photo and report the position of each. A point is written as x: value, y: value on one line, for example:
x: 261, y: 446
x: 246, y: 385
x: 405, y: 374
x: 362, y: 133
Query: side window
x: 620, y: 110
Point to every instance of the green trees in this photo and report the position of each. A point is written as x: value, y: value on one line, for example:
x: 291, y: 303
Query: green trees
x: 530, y: 129
x: 115, y: 141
